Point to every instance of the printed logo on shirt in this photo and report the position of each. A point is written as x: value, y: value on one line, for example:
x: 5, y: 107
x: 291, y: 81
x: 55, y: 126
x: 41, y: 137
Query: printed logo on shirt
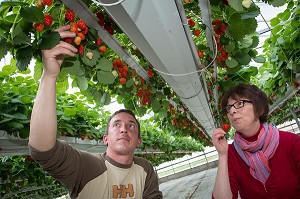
x: 122, y: 191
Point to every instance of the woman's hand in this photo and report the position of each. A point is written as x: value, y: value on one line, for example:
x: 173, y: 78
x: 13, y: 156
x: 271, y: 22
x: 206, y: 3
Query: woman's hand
x: 53, y: 58
x: 220, y: 142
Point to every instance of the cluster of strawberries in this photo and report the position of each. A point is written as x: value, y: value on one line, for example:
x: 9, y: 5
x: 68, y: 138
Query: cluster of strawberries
x: 48, y: 20
x: 220, y: 28
x: 121, y: 70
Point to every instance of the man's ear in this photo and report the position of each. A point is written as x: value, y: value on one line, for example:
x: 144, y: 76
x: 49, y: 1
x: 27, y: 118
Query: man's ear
x: 105, y: 139
x: 139, y: 142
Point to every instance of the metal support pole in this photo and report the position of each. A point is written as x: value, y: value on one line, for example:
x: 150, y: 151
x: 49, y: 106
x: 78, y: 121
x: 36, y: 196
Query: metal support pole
x: 295, y: 118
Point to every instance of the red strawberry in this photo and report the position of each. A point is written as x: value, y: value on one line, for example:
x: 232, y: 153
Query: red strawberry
x: 38, y: 26
x: 123, y: 80
x: 102, y: 49
x: 73, y: 28
x: 81, y: 24
x: 109, y: 29
x: 47, y: 2
x: 191, y: 23
x: 81, y: 35
x: 48, y: 20
x: 70, y: 15
x: 150, y: 73
x: 68, y: 40
x: 80, y: 50
x: 100, y: 16
x: 296, y: 84
x: 98, y: 42
x: 226, y: 127
x: 197, y: 32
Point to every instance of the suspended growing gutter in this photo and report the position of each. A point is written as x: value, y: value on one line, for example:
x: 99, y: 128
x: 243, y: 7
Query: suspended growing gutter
x: 160, y: 31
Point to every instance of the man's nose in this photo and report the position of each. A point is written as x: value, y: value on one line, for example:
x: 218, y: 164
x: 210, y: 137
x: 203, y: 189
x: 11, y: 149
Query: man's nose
x: 123, y: 128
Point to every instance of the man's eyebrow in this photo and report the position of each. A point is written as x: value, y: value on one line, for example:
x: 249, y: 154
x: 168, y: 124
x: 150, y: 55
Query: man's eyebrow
x: 131, y: 121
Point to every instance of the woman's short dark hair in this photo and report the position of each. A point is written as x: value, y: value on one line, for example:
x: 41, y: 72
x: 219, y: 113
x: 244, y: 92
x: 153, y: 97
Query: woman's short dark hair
x: 123, y: 111
x: 251, y: 92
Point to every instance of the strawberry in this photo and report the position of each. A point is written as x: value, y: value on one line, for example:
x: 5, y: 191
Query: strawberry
x: 98, y: 42
x: 191, y: 23
x: 100, y: 16
x: 109, y: 29
x: 38, y: 26
x: 150, y: 73
x: 197, y: 32
x: 89, y: 55
x: 85, y: 31
x: 73, y: 28
x: 124, y: 73
x: 225, y: 127
x: 80, y: 50
x: 70, y: 15
x: 47, y: 2
x: 296, y: 84
x: 39, y: 4
x: 122, y: 80
x: 102, y: 49
x: 48, y: 20
x: 81, y: 24
x: 82, y: 137
x: 200, y: 53
x: 81, y: 35
x: 77, y: 40
x: 68, y: 40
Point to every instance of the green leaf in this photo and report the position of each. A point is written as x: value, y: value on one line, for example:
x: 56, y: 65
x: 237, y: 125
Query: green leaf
x: 95, y: 58
x: 231, y: 62
x: 230, y: 47
x: 129, y: 83
x: 105, y: 65
x: 243, y: 58
x: 92, y: 34
x: 62, y: 87
x: 4, y: 48
x: 70, y: 112
x: 277, y: 3
x: 82, y: 83
x: 105, y: 99
x: 238, y: 28
x: 105, y: 77
x: 259, y: 59
x: 48, y: 40
x: 19, y: 37
x: 236, y: 4
x: 23, y: 56
x: 97, y: 97
x: 38, y: 70
x: 13, y: 18
x: 155, y: 105
x: 77, y: 69
x: 32, y: 14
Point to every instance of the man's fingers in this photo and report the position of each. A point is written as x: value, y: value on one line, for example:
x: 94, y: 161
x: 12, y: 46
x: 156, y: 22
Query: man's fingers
x: 64, y: 31
x: 63, y: 28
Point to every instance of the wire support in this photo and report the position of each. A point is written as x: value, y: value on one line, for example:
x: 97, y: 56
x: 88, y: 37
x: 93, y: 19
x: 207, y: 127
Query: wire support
x: 98, y: 2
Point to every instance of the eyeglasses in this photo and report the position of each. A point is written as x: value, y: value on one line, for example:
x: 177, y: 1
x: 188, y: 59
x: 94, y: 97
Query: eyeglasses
x: 237, y: 105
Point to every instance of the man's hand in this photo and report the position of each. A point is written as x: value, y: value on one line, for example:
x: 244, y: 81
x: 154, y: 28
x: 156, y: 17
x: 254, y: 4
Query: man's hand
x: 54, y: 57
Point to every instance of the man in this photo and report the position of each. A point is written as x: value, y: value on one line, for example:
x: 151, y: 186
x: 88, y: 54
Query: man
x: 113, y: 174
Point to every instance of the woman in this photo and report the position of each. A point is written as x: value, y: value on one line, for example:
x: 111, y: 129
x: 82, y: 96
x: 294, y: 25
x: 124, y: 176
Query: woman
x: 263, y: 162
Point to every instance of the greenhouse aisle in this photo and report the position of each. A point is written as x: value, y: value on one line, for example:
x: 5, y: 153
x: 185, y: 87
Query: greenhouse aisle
x: 199, y: 185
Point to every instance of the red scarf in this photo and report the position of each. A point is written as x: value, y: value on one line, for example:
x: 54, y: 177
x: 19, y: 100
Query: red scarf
x: 256, y: 154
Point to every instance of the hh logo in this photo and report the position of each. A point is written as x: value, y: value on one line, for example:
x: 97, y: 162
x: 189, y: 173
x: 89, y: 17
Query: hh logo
x: 123, y: 191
